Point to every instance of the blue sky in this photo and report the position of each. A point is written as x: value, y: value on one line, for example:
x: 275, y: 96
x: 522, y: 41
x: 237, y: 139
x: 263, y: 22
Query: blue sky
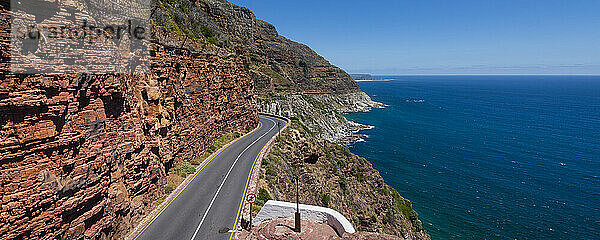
x: 443, y: 36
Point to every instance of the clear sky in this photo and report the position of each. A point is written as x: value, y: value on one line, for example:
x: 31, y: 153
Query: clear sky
x: 443, y: 36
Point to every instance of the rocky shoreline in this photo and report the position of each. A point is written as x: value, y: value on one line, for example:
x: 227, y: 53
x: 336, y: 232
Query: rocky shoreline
x: 323, y: 113
x: 356, y: 136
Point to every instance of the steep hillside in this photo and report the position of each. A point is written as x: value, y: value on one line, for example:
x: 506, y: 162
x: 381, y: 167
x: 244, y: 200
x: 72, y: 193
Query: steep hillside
x: 276, y: 63
x: 331, y: 176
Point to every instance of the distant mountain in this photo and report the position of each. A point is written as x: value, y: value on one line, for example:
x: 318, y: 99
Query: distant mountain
x: 361, y: 76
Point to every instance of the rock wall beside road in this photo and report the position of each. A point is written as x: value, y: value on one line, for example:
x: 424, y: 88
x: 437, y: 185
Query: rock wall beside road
x: 86, y: 155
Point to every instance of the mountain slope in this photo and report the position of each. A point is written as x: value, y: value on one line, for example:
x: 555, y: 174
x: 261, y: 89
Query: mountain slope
x: 276, y: 63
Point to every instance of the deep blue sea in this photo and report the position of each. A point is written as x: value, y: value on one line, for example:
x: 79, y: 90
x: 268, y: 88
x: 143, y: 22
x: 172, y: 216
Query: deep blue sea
x: 490, y: 157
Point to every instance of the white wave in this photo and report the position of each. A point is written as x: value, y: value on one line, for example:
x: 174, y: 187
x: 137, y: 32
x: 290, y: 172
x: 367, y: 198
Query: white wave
x: 363, y: 127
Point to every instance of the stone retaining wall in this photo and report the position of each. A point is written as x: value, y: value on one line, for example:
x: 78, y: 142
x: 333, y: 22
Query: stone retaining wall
x: 277, y: 209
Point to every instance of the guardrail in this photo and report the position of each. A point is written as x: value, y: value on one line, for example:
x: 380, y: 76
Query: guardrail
x: 278, y: 209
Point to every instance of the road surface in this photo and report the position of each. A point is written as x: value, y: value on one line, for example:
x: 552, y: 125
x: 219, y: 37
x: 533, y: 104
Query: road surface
x: 207, y: 208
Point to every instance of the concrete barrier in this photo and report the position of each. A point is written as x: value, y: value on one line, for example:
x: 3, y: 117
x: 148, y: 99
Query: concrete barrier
x: 277, y: 209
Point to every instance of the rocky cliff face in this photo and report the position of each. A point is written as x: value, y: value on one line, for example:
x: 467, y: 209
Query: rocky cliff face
x: 277, y: 64
x: 288, y: 66
x: 321, y: 113
x: 85, y: 155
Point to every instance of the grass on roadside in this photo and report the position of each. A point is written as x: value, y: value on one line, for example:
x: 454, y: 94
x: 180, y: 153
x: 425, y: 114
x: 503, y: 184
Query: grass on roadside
x: 218, y: 144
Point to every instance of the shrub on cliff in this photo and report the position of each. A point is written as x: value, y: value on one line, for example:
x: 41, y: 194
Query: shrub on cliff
x: 184, y: 168
x: 263, y: 196
x: 325, y: 198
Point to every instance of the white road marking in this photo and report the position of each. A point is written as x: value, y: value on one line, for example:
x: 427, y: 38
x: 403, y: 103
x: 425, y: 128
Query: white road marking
x: 223, y: 183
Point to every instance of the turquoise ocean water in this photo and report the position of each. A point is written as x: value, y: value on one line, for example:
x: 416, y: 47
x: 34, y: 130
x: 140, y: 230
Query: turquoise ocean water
x: 490, y: 157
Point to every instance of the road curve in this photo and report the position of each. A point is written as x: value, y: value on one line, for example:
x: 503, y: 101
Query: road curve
x: 208, y: 207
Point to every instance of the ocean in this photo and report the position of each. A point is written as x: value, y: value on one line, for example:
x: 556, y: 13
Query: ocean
x: 490, y: 157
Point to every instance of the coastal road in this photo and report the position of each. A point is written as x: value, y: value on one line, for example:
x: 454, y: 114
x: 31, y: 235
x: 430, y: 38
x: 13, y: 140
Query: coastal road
x: 208, y: 207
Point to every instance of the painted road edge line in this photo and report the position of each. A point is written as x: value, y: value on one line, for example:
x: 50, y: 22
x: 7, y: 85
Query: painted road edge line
x: 233, y: 230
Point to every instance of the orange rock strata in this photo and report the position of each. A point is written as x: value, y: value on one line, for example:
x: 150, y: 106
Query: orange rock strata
x: 85, y: 156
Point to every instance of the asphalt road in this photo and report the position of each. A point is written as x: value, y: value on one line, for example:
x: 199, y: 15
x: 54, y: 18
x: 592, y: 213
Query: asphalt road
x: 207, y: 208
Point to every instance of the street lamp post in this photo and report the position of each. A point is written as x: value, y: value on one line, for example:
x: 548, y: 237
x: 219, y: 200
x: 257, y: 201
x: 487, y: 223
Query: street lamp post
x: 297, y: 225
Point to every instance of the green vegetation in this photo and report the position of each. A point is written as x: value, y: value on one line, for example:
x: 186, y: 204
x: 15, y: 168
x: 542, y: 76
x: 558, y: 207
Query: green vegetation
x: 339, y: 180
x: 173, y: 180
x: 262, y: 198
x: 342, y: 177
x: 218, y: 144
x: 269, y: 166
x: 343, y: 183
x: 178, y: 13
x: 345, y: 151
x: 383, y: 191
x: 317, y: 104
x: 325, y: 199
x: 374, y: 218
x: 404, y: 206
x: 276, y: 77
x: 359, y: 175
x: 184, y: 168
x: 209, y: 35
x: 303, y: 127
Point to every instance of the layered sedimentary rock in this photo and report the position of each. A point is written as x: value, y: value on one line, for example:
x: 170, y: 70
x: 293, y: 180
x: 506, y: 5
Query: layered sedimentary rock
x: 285, y: 73
x: 291, y: 79
x: 84, y: 155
